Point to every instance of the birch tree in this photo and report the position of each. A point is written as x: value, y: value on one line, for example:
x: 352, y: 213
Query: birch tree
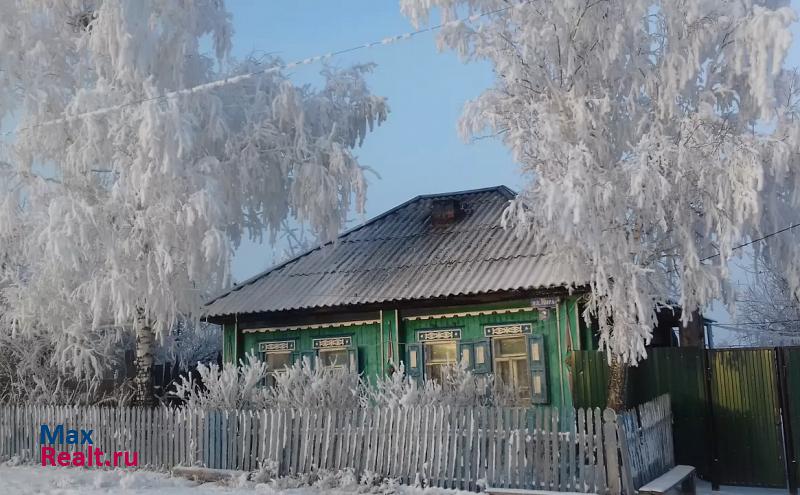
x: 121, y: 208
x: 766, y: 304
x: 653, y: 135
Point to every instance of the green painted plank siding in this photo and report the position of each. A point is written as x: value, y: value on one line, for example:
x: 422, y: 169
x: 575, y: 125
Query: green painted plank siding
x: 384, y: 343
x: 390, y: 320
x: 365, y: 337
x: 229, y: 351
x: 558, y: 346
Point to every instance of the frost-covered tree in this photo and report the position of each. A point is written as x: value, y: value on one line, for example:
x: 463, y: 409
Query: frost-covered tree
x: 189, y: 343
x: 653, y: 134
x: 120, y: 208
x: 767, y: 304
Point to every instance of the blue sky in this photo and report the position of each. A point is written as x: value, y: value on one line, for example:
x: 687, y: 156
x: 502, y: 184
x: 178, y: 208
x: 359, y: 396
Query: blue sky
x: 418, y: 150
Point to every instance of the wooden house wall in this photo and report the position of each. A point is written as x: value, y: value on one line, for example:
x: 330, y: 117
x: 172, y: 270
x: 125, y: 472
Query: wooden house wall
x: 380, y: 343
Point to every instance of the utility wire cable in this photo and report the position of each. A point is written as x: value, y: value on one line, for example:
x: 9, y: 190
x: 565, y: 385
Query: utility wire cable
x: 243, y: 77
x: 790, y: 227
x: 754, y: 323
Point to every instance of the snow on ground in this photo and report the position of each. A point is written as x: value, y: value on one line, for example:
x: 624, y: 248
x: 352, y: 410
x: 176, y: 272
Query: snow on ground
x: 704, y: 488
x: 37, y: 480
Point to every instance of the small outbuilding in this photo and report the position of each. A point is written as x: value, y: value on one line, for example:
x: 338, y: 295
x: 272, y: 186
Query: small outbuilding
x: 429, y: 282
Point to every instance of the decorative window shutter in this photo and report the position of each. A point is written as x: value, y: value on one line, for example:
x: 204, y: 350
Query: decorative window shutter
x: 466, y: 354
x: 414, y: 360
x: 537, y: 361
x: 482, y: 357
x: 352, y: 354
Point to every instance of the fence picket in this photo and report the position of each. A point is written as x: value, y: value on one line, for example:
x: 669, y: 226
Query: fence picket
x: 540, y: 448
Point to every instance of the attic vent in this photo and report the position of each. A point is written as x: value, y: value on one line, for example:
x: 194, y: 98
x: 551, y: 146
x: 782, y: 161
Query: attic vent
x: 445, y: 211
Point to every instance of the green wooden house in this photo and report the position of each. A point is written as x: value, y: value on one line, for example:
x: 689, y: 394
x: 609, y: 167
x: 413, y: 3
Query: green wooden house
x: 429, y: 282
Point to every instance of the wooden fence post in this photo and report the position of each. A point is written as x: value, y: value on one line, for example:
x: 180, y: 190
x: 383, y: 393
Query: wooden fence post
x: 625, y: 466
x: 612, y: 451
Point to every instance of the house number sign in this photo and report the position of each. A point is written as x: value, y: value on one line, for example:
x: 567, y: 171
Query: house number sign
x: 434, y: 335
x: 332, y: 342
x: 283, y: 345
x: 514, y: 329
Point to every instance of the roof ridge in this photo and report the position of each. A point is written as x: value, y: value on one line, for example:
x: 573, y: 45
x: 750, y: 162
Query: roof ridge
x: 502, y: 189
x: 427, y: 264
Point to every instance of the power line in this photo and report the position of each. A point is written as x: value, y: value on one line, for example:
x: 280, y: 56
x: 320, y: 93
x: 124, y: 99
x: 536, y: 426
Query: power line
x: 754, y: 323
x: 243, y: 77
x: 790, y: 227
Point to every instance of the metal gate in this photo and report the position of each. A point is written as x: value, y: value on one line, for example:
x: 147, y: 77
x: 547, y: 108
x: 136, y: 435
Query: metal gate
x: 736, y: 411
x: 789, y: 381
x: 748, y: 443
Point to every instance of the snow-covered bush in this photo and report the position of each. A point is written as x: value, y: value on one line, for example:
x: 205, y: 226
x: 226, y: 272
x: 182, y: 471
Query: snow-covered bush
x: 460, y: 388
x: 304, y: 386
x: 29, y: 374
x: 243, y: 387
x: 225, y: 387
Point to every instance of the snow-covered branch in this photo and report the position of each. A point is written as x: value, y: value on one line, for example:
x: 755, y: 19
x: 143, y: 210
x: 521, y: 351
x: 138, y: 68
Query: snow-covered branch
x: 130, y: 216
x: 655, y: 134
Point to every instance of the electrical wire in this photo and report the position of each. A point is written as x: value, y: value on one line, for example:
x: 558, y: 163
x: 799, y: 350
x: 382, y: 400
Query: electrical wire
x: 754, y: 241
x: 243, y: 77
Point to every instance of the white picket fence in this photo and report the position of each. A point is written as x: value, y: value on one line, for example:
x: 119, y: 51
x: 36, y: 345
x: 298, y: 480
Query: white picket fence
x: 534, y: 448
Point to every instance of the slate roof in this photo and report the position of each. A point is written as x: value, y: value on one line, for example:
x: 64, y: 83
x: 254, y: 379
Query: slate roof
x: 399, y: 256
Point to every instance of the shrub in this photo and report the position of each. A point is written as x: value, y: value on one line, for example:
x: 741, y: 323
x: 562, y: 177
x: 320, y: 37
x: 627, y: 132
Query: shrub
x: 304, y: 386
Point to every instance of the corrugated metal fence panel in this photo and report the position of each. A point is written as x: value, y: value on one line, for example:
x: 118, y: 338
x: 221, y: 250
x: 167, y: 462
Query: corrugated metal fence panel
x: 746, y: 414
x: 669, y: 370
x: 590, y: 379
x: 678, y: 372
x: 792, y: 360
x: 747, y: 417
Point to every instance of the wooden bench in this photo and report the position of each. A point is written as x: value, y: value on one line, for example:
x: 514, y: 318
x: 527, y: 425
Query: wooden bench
x: 519, y: 491
x: 679, y: 475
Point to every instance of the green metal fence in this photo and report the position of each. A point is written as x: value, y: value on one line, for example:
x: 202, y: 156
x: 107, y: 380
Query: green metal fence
x: 791, y: 386
x: 747, y: 419
x: 734, y: 438
x: 674, y: 371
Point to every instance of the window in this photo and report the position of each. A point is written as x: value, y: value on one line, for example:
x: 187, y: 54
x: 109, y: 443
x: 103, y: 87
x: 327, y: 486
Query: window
x: 337, y: 353
x: 277, y: 356
x: 518, y: 359
x: 511, y: 364
x: 438, y: 356
x: 334, y: 358
x: 439, y: 350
